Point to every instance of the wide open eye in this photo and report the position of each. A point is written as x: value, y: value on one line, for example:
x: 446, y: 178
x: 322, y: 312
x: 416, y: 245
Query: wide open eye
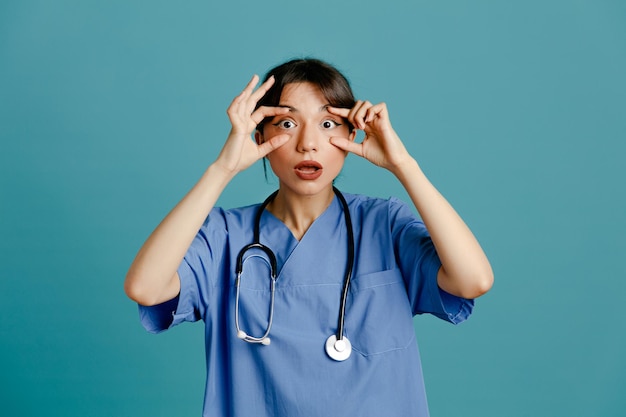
x: 329, y: 124
x: 285, y: 124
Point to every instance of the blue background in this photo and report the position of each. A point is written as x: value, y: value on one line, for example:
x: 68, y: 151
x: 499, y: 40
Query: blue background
x: 110, y: 111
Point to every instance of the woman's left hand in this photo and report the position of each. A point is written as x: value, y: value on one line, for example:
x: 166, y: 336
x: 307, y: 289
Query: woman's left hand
x: 465, y: 270
x: 381, y: 145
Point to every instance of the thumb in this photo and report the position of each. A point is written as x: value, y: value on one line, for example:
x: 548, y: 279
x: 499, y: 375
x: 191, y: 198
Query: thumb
x: 273, y: 144
x: 347, y: 145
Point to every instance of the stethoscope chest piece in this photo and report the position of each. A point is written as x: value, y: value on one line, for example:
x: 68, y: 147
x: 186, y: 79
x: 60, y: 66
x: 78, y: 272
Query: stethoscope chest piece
x: 338, y: 350
x: 338, y: 347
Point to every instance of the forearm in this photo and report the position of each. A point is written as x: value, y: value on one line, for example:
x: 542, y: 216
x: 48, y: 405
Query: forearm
x: 465, y: 271
x: 152, y: 276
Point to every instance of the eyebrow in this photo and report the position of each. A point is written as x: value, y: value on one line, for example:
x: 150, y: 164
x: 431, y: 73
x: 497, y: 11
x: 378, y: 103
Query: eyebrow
x: 324, y: 108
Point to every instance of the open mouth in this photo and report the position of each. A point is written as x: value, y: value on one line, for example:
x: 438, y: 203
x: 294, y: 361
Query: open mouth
x: 308, y: 170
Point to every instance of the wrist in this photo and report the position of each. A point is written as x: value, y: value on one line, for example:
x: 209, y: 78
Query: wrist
x: 406, y: 168
x: 219, y: 174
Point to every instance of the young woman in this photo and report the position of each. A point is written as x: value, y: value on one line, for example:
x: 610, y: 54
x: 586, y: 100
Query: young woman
x: 308, y: 298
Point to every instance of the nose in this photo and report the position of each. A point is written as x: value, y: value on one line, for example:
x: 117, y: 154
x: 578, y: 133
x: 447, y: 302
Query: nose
x: 309, y: 139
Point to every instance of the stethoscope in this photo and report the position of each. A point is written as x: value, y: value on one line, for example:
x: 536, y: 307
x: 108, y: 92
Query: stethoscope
x: 338, y: 347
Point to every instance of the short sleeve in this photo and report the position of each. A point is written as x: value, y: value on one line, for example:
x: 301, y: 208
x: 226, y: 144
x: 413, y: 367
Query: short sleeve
x: 198, y: 272
x: 159, y: 317
x: 183, y: 307
x: 420, y: 264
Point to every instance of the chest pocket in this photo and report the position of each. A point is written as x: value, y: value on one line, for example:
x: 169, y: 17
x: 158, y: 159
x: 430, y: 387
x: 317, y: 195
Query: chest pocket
x: 378, y: 313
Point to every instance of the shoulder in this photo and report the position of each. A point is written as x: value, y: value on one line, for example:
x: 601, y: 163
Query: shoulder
x: 240, y: 213
x: 375, y: 214
x: 227, y: 219
x: 364, y: 204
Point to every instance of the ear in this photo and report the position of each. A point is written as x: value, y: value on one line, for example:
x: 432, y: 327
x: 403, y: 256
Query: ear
x: 258, y: 137
x: 352, y: 135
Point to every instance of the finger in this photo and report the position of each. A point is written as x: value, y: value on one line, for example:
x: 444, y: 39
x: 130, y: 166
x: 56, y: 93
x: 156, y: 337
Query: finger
x: 347, y: 145
x: 237, y: 101
x: 264, y: 111
x: 273, y: 144
x: 353, y: 112
x: 361, y: 114
x: 342, y: 112
x: 338, y: 111
x: 250, y: 86
x: 377, y: 110
x: 263, y: 88
x: 252, y: 98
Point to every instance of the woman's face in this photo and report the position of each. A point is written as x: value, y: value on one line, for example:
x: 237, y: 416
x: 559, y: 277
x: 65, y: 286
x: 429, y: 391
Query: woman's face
x: 308, y: 163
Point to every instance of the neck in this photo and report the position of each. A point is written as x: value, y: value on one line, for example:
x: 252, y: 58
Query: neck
x: 298, y: 212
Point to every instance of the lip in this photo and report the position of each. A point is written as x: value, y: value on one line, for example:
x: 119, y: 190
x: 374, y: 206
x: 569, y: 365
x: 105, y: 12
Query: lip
x: 308, y: 170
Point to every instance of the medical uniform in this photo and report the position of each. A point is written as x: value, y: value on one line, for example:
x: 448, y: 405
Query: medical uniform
x: 394, y: 278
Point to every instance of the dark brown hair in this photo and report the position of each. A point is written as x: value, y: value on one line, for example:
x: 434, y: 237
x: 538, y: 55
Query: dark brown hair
x: 332, y: 83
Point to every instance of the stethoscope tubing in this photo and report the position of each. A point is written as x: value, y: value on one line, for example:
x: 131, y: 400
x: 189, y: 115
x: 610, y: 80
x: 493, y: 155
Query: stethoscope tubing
x: 349, y: 265
x: 240, y: 333
x: 337, y: 346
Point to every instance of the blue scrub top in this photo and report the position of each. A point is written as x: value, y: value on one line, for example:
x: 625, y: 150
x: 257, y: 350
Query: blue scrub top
x: 394, y: 278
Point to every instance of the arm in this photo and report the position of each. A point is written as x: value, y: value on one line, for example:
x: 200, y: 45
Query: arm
x: 152, y: 277
x: 465, y: 270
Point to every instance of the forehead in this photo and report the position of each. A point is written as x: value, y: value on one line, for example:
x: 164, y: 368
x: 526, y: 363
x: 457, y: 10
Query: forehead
x: 297, y: 95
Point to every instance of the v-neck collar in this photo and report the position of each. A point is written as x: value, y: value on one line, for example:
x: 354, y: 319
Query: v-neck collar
x: 317, y: 241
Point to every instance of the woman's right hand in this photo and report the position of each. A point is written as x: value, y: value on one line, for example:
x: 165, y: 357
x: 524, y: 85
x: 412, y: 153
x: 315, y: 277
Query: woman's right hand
x: 240, y: 151
x: 153, y: 277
